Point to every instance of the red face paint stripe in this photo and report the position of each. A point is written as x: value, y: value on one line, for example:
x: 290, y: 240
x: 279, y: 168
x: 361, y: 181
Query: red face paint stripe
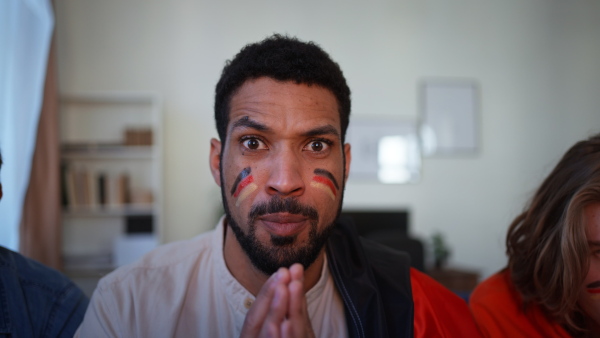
x: 326, y: 181
x: 243, y: 184
x: 593, y: 290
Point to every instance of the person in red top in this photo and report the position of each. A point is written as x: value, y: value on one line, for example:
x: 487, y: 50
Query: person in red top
x: 551, y: 285
x: 437, y: 311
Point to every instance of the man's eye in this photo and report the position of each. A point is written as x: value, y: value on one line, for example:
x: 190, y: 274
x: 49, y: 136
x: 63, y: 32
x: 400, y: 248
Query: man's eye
x: 253, y: 143
x: 318, y: 146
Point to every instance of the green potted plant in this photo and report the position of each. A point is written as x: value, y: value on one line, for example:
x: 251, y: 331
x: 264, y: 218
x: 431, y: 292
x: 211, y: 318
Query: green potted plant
x: 441, y: 251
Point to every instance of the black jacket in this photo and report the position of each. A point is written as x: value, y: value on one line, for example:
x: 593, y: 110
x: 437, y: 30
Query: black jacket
x: 374, y: 283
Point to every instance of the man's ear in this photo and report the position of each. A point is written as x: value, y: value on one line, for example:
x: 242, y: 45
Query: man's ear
x: 215, y: 160
x: 348, y: 154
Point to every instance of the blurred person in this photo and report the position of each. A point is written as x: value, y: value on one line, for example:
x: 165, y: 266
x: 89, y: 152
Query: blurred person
x: 279, y: 263
x: 551, y: 285
x: 36, y: 300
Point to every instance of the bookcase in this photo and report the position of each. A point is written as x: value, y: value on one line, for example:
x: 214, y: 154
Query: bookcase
x: 111, y: 179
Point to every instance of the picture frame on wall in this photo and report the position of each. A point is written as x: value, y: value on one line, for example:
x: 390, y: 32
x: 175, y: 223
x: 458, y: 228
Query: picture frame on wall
x: 384, y: 150
x: 449, y: 121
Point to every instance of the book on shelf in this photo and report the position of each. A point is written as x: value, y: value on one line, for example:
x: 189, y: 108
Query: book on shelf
x: 123, y: 189
x: 102, y: 189
x: 90, y: 146
x: 138, y: 136
x: 85, y: 189
x: 83, y: 183
x: 70, y: 187
x: 64, y: 199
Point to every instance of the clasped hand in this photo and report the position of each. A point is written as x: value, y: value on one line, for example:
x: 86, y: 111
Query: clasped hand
x: 280, y: 308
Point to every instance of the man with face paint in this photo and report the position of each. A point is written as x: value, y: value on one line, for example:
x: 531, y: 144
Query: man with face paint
x: 551, y: 286
x: 279, y: 263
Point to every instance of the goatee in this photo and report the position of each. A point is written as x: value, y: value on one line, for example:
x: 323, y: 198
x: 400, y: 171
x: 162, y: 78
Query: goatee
x: 284, y: 250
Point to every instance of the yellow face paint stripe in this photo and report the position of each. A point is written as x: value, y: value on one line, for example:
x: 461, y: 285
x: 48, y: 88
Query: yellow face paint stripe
x: 595, y: 296
x: 323, y: 187
x: 250, y: 188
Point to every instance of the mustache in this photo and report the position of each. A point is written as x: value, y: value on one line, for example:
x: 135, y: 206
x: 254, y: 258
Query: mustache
x: 278, y: 205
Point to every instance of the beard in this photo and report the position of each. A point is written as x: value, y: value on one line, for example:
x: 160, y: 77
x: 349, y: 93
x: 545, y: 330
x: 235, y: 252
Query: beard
x: 284, y: 250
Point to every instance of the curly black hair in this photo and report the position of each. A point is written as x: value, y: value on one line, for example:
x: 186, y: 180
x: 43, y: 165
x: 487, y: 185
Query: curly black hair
x: 281, y: 58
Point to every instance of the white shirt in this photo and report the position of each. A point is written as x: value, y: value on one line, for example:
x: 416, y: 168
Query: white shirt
x: 184, y: 289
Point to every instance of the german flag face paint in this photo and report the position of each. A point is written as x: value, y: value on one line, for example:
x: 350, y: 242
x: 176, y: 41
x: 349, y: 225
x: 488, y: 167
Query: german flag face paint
x: 593, y: 290
x: 243, y: 186
x: 325, y: 181
x: 594, y: 294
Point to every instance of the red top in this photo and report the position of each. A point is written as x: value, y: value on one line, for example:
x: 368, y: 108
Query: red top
x: 438, y: 311
x: 498, y: 310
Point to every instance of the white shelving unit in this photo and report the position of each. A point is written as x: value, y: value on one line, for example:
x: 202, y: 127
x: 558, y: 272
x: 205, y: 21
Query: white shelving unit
x: 111, y: 155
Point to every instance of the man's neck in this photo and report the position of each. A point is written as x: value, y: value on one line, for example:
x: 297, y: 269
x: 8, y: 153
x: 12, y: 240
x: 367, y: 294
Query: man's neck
x: 249, y: 276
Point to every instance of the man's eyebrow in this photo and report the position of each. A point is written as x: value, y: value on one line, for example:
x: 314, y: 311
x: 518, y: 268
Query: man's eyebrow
x: 324, y: 130
x: 246, y: 122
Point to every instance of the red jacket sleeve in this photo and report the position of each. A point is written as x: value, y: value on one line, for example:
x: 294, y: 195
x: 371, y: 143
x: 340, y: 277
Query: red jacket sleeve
x: 498, y: 311
x: 438, y: 311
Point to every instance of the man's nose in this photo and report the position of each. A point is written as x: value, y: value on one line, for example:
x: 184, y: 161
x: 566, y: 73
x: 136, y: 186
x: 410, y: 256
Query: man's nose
x: 285, y: 174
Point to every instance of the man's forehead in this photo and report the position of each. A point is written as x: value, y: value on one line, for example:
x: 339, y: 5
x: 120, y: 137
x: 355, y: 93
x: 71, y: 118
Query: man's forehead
x: 265, y: 102
x: 305, y: 128
x: 265, y: 86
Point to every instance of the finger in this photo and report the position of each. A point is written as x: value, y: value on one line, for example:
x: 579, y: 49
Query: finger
x: 297, y: 272
x: 253, y: 322
x: 286, y: 329
x: 297, y: 311
x: 277, y: 312
x: 297, y: 300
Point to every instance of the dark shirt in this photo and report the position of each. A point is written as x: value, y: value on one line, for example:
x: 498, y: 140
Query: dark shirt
x: 37, y: 301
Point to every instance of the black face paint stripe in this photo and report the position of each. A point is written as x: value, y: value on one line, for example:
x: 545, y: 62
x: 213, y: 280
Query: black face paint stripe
x: 325, y: 173
x: 240, y: 177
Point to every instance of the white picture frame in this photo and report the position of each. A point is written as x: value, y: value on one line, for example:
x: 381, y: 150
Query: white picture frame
x: 384, y: 150
x: 449, y: 123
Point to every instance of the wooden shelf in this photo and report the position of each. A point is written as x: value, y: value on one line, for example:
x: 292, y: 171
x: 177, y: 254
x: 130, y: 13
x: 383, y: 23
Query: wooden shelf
x: 110, y: 211
x: 108, y: 152
x: 111, y: 171
x: 456, y: 280
x: 110, y: 98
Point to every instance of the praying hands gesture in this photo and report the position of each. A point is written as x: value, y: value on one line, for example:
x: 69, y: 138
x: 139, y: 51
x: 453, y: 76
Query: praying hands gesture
x: 280, y: 309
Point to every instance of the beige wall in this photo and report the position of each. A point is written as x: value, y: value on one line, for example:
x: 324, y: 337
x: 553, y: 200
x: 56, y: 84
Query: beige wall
x: 536, y: 62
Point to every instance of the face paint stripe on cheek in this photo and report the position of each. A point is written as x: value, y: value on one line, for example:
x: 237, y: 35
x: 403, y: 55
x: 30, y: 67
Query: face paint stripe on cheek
x: 325, y: 187
x: 594, y: 293
x: 326, y: 182
x: 243, y: 175
x: 327, y: 174
x: 245, y: 192
x: 243, y: 184
x: 593, y: 290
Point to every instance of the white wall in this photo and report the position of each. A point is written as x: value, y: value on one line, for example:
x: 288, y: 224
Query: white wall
x: 536, y: 62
